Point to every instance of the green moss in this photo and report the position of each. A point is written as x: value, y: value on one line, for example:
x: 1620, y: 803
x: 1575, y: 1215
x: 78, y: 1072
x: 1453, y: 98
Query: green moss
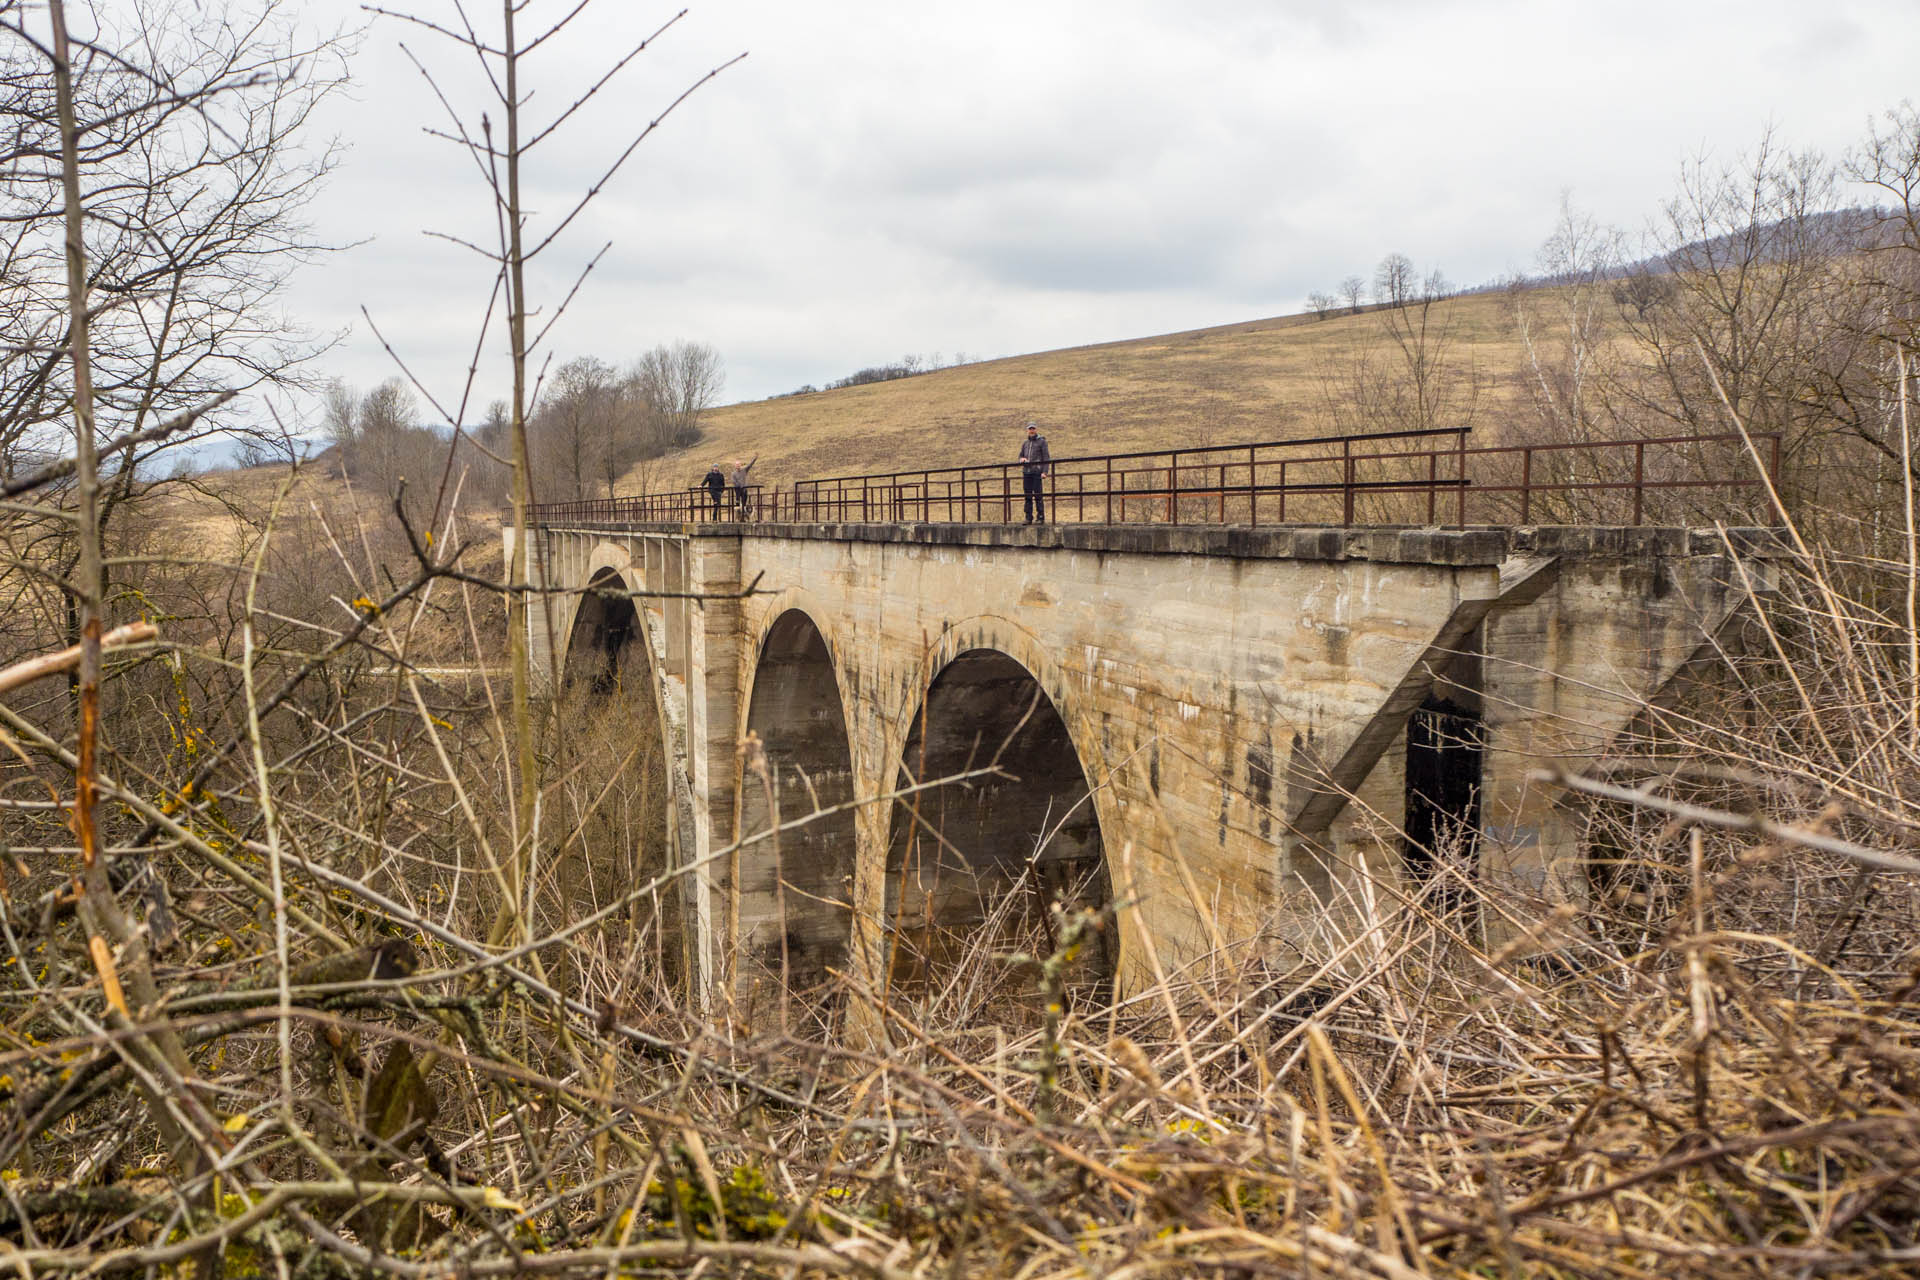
x: 749, y: 1206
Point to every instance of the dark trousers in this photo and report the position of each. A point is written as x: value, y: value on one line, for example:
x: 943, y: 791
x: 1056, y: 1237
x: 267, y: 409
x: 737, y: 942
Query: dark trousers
x: 740, y: 500
x: 715, y: 494
x: 1036, y: 496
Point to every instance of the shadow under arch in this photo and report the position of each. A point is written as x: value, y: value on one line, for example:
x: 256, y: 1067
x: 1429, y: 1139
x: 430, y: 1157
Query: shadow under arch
x: 795, y: 898
x: 605, y: 643
x: 974, y: 867
x: 609, y: 741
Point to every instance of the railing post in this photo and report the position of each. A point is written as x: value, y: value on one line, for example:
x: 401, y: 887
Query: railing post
x: 1283, y: 491
x: 1433, y: 482
x: 1460, y: 440
x: 1173, y: 489
x: 1110, y: 491
x: 1346, y: 453
x: 1526, y: 484
x: 1253, y: 487
x: 1639, y: 479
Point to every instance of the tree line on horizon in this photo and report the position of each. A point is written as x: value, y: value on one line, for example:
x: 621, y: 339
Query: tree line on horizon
x: 906, y: 366
x: 591, y: 423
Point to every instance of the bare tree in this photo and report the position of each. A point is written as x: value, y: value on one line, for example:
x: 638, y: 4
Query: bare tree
x: 193, y: 162
x: 1888, y: 165
x: 1395, y: 282
x: 1323, y: 304
x: 1405, y: 373
x: 582, y: 435
x: 191, y: 167
x: 1562, y: 323
x: 1764, y: 318
x: 501, y: 140
x: 495, y: 427
x: 1354, y: 290
x: 339, y: 415
x: 678, y: 383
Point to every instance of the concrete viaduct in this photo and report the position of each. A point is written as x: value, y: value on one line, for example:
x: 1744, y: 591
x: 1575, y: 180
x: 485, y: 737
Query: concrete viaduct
x: 1241, y: 736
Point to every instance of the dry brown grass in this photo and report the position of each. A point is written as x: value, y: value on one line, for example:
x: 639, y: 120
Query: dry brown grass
x: 1259, y: 380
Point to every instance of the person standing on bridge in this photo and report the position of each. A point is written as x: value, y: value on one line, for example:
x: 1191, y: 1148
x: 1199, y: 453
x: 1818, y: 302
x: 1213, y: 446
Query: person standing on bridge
x: 740, y: 471
x: 716, y: 483
x: 1035, y: 463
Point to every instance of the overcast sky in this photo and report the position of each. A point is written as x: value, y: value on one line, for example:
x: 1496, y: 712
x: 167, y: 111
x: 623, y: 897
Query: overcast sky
x: 880, y: 177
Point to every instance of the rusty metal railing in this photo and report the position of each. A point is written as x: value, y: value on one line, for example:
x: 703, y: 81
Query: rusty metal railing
x: 691, y: 505
x: 1434, y: 476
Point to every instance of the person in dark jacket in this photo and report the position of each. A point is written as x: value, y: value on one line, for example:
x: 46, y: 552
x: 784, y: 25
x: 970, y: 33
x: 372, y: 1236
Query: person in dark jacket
x: 716, y: 483
x: 740, y: 470
x: 1035, y: 463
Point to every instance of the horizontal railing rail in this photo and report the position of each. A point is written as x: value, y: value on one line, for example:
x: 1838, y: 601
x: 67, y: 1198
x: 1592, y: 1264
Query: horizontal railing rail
x: 1431, y: 476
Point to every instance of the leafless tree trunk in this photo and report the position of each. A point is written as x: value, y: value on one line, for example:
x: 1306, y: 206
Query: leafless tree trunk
x: 679, y: 383
x: 1395, y: 283
x: 1562, y: 323
x: 1354, y: 290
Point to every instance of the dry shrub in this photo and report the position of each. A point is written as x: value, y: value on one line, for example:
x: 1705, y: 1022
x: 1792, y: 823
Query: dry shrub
x: 1718, y: 1078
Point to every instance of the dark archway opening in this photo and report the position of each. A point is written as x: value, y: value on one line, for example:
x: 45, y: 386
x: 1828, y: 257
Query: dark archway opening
x: 1446, y: 754
x: 974, y: 867
x: 607, y: 744
x: 796, y: 892
x: 602, y: 646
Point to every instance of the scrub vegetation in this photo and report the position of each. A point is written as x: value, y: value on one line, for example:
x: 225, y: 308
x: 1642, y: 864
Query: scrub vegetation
x: 327, y: 948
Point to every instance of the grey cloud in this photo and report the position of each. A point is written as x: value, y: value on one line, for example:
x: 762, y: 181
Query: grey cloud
x: 878, y: 178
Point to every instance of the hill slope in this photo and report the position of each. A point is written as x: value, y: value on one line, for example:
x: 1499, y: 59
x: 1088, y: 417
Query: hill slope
x: 1256, y: 380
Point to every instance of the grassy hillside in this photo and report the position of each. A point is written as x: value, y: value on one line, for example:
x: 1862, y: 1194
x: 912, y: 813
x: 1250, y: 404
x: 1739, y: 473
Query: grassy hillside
x: 1257, y: 380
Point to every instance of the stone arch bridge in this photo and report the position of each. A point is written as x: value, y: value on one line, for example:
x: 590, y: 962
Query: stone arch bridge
x: 1239, y: 734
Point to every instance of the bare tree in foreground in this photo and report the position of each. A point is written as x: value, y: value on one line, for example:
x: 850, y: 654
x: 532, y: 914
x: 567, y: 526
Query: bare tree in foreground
x: 191, y: 152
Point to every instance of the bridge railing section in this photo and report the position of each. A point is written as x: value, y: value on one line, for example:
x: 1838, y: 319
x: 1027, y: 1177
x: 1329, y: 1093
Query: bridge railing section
x: 674, y: 506
x: 1438, y: 476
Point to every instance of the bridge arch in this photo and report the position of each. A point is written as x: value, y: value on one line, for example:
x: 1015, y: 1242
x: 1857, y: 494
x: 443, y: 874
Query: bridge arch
x: 972, y: 867
x: 605, y: 636
x: 795, y: 893
x: 610, y: 733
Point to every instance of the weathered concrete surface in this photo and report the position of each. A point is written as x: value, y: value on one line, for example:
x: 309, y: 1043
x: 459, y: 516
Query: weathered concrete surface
x: 1236, y: 699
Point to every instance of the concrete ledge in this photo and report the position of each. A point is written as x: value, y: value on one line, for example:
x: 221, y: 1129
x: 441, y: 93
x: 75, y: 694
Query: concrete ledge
x: 1392, y: 545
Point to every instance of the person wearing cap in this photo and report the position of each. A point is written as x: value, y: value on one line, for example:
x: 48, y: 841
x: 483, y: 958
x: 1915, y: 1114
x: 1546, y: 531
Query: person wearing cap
x: 716, y: 483
x: 1035, y: 463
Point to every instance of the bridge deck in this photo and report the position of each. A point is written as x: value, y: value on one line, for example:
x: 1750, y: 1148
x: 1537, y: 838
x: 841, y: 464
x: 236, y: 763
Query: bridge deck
x: 1406, y: 545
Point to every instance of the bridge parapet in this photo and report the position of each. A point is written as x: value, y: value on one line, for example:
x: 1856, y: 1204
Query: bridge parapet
x: 1424, y: 544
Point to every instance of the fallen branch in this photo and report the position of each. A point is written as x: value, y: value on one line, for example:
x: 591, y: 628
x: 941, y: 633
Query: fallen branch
x: 23, y: 673
x: 1751, y: 822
